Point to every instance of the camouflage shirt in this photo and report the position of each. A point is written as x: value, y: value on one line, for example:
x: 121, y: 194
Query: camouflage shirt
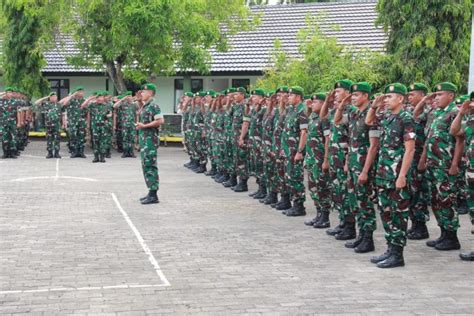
x: 468, y: 126
x: 149, y: 113
x: 128, y: 113
x: 317, y: 131
x: 237, y: 119
x: 52, y: 113
x: 99, y: 113
x: 296, y: 121
x: 74, y: 111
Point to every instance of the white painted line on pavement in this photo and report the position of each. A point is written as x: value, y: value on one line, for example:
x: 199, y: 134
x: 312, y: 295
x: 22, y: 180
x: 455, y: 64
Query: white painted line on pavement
x: 55, y: 178
x: 57, y: 170
x: 142, y: 242
x: 86, y: 288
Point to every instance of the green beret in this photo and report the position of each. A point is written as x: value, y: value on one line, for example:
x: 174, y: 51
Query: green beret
x: 282, y: 89
x: 224, y: 92
x: 52, y: 93
x: 361, y: 87
x: 149, y: 86
x: 247, y: 95
x: 102, y: 93
x: 344, y: 83
x: 319, y: 96
x: 189, y: 94
x: 396, y: 88
x: 296, y: 90
x: 127, y: 93
x: 418, y: 86
x: 231, y: 90
x: 307, y: 97
x: 461, y: 99
x: 471, y: 96
x: 445, y: 86
x: 79, y: 88
x: 212, y: 93
x: 201, y: 94
x: 259, y: 91
x: 9, y: 89
x: 270, y: 93
x: 242, y: 90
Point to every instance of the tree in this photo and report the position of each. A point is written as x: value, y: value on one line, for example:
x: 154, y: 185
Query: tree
x: 428, y: 40
x: 323, y: 62
x: 135, y: 39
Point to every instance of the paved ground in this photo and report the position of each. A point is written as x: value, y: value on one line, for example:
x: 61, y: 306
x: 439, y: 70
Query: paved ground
x: 74, y: 240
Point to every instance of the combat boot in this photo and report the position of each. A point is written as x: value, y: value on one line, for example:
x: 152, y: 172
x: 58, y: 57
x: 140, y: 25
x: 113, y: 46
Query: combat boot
x: 355, y: 243
x: 367, y: 243
x: 49, y: 155
x: 284, y: 203
x: 225, y: 177
x: 196, y: 166
x: 262, y: 194
x: 232, y: 182
x: 108, y: 154
x: 394, y: 260
x: 96, y: 158
x: 347, y: 233
x: 188, y: 164
x: 124, y: 154
x: 298, y: 209
x: 74, y: 154
x: 56, y: 154
x: 145, y: 197
x: 420, y: 231
x: 151, y: 199
x: 315, y: 219
x: 5, y: 154
x: 383, y: 256
x: 450, y: 242
x: 256, y: 192
x: 211, y: 171
x: 202, y: 168
x: 271, y: 198
x: 432, y: 243
x: 242, y: 186
x: 336, y: 230
x: 80, y: 154
x: 323, y: 221
x: 468, y: 256
x: 131, y: 154
x: 102, y: 157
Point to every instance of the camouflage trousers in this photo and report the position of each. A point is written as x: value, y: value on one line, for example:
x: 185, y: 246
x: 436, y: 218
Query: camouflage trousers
x: 77, y: 134
x: 361, y: 204
x: 228, y: 158
x: 240, y: 155
x: 128, y: 137
x: 394, y: 211
x: 269, y: 176
x: 420, y: 197
x: 252, y: 157
x: 443, y: 195
x: 9, y: 137
x: 294, y: 177
x: 282, y: 184
x: 339, y: 179
x: 149, y: 157
x: 99, y: 138
x: 318, y: 186
x: 257, y: 161
x: 22, y: 137
x: 201, y: 149
x: 214, y: 151
x: 53, y: 137
x: 109, y: 133
x: 119, y: 135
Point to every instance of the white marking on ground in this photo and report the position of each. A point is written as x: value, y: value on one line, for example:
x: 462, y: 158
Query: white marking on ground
x: 87, y: 288
x: 55, y: 178
x: 57, y: 170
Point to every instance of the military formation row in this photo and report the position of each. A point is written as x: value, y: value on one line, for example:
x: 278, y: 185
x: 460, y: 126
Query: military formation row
x: 403, y: 152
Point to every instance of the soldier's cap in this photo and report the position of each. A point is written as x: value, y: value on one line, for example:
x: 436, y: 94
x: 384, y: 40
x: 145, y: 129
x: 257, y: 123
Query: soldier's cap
x: 269, y: 94
x: 361, y: 87
x: 445, y: 86
x: 212, y: 93
x: 461, y: 99
x: 319, y: 96
x: 282, y: 89
x: 189, y: 94
x: 307, y: 97
x: 127, y: 93
x: 471, y: 97
x: 201, y: 94
x: 396, y: 88
x: 9, y: 89
x: 224, y: 92
x: 344, y: 83
x: 51, y: 94
x: 149, y: 86
x: 259, y: 92
x: 102, y: 93
x: 79, y: 88
x: 296, y: 90
x: 241, y: 90
x: 418, y: 86
x: 231, y: 90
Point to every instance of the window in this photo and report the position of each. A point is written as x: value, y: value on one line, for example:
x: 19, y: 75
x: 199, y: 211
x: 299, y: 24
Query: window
x: 60, y: 86
x: 178, y: 93
x: 241, y: 83
x: 196, y: 85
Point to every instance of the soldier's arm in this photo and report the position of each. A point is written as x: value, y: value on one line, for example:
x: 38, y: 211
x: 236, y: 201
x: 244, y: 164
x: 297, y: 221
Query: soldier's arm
x: 85, y: 104
x: 458, y: 152
x: 456, y: 127
x: 328, y: 102
x: 39, y: 102
x: 339, y: 117
x: 372, y: 151
x: 66, y: 100
x: 375, y: 107
x: 420, y: 107
x: 406, y: 163
x: 303, y: 137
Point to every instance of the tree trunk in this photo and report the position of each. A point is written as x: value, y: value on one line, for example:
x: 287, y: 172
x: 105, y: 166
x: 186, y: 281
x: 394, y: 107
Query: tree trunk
x: 114, y: 70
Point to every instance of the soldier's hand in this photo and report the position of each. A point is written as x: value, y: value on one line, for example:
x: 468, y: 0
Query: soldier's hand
x: 401, y: 182
x: 453, y: 170
x: 325, y: 165
x: 241, y: 142
x: 465, y: 107
x: 298, y: 157
x: 421, y: 165
x: 331, y: 96
x: 363, y: 177
x: 377, y: 102
x: 140, y: 126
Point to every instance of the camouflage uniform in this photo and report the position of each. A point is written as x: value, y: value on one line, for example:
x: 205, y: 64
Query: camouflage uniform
x: 3, y: 121
x: 190, y: 131
x: 268, y: 154
x: 228, y: 140
x: 440, y: 151
x: 360, y: 195
x: 240, y: 154
x: 128, y: 118
x: 255, y: 143
x: 295, y: 121
x: 9, y: 139
x: 76, y: 125
x: 199, y: 141
x: 149, y: 140
x: 119, y: 129
x: 110, y: 129
x: 468, y: 126
x: 52, y: 118
x: 394, y: 204
x: 185, y: 128
x: 100, y: 127
x: 318, y: 180
x: 277, y: 150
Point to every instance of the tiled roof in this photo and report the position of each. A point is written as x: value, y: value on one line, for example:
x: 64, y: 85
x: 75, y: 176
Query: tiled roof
x: 351, y: 22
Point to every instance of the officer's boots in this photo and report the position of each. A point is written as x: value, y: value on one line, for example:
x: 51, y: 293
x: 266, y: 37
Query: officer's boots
x: 395, y: 258
x: 367, y: 243
x: 242, y: 186
x: 152, y: 198
x: 323, y: 221
x: 50, y: 154
x: 348, y: 232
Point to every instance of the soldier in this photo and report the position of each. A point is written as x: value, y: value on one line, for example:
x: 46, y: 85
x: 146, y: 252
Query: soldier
x: 230, y: 178
x: 99, y: 113
x: 209, y: 124
x: 150, y: 120
x: 316, y: 156
x: 268, y: 124
x: 191, y: 129
x: 186, y: 112
x: 463, y: 125
x: 240, y: 133
x: 127, y: 108
x: 218, y: 151
x: 293, y: 140
x: 76, y: 122
x: 10, y: 124
x: 363, y: 146
x: 397, y: 148
x: 443, y: 154
x: 109, y: 131
x: 200, y: 134
x: 52, y: 111
x: 419, y: 213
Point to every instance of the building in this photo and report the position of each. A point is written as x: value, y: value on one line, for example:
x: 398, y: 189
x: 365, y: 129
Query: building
x: 249, y: 54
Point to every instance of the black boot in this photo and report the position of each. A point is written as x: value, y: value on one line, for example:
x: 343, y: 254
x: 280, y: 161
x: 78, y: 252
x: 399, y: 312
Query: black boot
x: 211, y: 172
x: 202, y: 168
x: 420, y: 231
x: 347, y: 233
x: 383, y: 256
x: 49, y: 155
x: 217, y: 175
x: 262, y: 194
x: 124, y: 154
x: 355, y: 243
x: 80, y: 153
x: 284, y: 203
x: 151, y: 199
x: 315, y: 219
x: 298, y: 209
x: 131, y: 154
x: 108, y: 154
x: 432, y: 243
x: 231, y: 182
x: 5, y: 153
x: 74, y: 154
x: 468, y: 256
x: 96, y: 158
x: 367, y: 243
x: 450, y: 242
x: 412, y: 228
x: 242, y: 186
x: 56, y: 154
x: 196, y: 166
x: 102, y: 157
x: 336, y: 230
x: 395, y: 258
x: 225, y: 177
x: 271, y: 198
x: 188, y: 164
x: 323, y: 220
x: 145, y: 197
x: 256, y: 192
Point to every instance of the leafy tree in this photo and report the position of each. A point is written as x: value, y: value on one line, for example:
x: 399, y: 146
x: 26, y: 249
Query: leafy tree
x: 428, y: 40
x: 323, y: 62
x: 135, y: 39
